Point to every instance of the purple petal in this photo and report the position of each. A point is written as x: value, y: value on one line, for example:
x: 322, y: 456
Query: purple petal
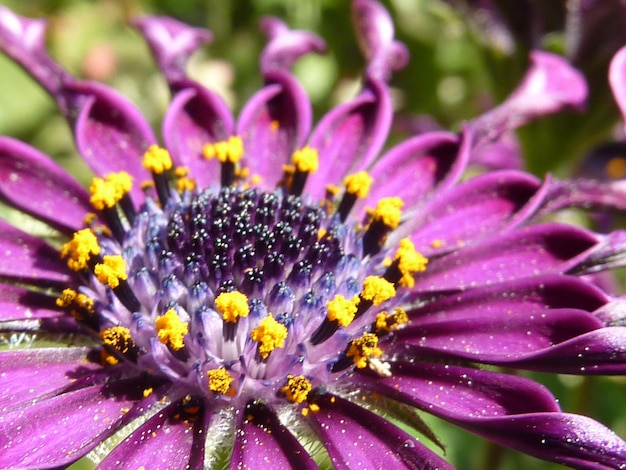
x: 110, y: 132
x: 263, y: 442
x: 488, y: 203
x: 375, y: 32
x: 414, y: 168
x: 29, y: 375
x: 549, y: 86
x: 58, y: 431
x: 503, y: 154
x: 61, y: 201
x: 536, y: 250
x: 609, y: 253
x: 195, y: 117
x: 617, y: 79
x: 350, y: 136
x: 166, y: 440
x: 18, y: 303
x: 171, y: 43
x: 273, y: 124
x: 27, y: 258
x: 357, y: 438
x: 285, y: 45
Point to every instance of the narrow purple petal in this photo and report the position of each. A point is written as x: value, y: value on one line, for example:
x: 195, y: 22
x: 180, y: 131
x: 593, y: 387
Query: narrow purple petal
x: 357, y: 438
x: 350, y: 136
x: 58, y: 431
x: 549, y: 86
x: 617, y: 79
x: 274, y: 123
x: 375, y: 32
x: 415, y: 167
x: 171, y: 43
x: 503, y: 154
x: 536, y: 250
x: 491, y: 202
x: 285, y: 45
x: 508, y: 410
x: 30, y: 375
x: 27, y: 258
x: 609, y: 253
x: 110, y: 132
x: 168, y: 439
x: 197, y: 115
x: 18, y: 303
x: 263, y: 442
x: 61, y: 201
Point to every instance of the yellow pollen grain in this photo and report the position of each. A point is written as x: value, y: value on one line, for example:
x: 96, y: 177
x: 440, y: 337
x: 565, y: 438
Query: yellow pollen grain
x: 232, y: 305
x: 388, y: 211
x: 171, y: 330
x: 117, y: 338
x: 409, y: 262
x: 377, y: 290
x: 314, y: 407
x: 363, y: 348
x: 108, y: 359
x: 147, y: 392
x: 230, y: 150
x: 342, y: 310
x: 616, y: 168
x: 220, y: 380
x: 437, y: 243
x: 270, y: 335
x: 306, y: 160
x: 157, y: 160
x: 111, y: 271
x: 358, y: 184
x: 108, y: 191
x: 274, y: 125
x: 80, y: 249
x: 297, y: 388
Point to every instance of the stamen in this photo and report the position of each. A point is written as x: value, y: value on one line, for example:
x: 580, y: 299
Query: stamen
x: 297, y: 388
x: 229, y: 153
x: 220, y: 380
x: 171, y: 330
x: 107, y: 193
x: 386, y: 323
x: 111, y: 270
x: 82, y: 304
x: 342, y: 310
x: 384, y: 218
x: 183, y: 182
x: 118, y: 338
x: 363, y: 348
x: 377, y: 290
x: 406, y: 263
x: 232, y: 305
x: 357, y: 187
x: 270, y: 334
x: 158, y: 161
x: 80, y: 249
x: 305, y: 161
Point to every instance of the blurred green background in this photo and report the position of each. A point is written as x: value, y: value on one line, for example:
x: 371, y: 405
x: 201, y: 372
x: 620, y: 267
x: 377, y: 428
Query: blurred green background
x: 458, y: 69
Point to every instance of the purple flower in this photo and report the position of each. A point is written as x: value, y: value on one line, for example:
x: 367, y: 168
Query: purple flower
x: 258, y: 292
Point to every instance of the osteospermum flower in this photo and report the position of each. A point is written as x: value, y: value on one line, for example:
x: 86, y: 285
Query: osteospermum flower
x: 258, y: 293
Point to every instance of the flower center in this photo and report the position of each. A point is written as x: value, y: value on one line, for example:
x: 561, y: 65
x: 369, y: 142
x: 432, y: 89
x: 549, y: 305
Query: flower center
x: 235, y: 293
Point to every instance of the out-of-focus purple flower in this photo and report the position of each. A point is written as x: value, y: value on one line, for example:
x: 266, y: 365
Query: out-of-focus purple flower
x: 260, y: 291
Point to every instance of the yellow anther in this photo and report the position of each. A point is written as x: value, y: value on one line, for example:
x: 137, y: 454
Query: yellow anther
x: 363, y: 348
x: 388, y: 211
x: 342, y: 310
x: 230, y: 150
x: 297, y: 388
x: 157, y: 160
x: 171, y: 330
x: 80, y: 249
x: 358, y: 184
x: 183, y: 182
x: 117, y: 338
x: 107, y: 192
x: 220, y: 380
x: 66, y: 298
x: 386, y: 323
x: 270, y: 334
x: 232, y: 305
x: 69, y: 298
x: 409, y: 262
x: 377, y: 290
x: 305, y: 160
x: 111, y: 271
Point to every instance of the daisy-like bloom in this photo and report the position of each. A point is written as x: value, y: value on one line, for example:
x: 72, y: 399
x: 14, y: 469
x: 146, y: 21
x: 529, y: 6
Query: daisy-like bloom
x: 258, y: 293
